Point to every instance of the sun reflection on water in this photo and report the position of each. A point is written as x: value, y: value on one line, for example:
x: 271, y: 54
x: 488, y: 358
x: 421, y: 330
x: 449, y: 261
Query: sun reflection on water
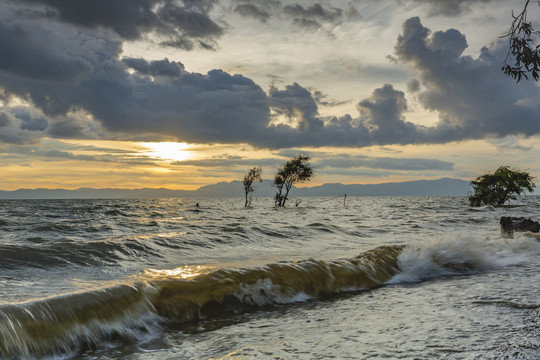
x: 182, y: 272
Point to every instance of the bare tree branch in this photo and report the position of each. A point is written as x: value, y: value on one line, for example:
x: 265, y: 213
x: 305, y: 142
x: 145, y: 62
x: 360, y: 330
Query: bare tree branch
x: 523, y: 57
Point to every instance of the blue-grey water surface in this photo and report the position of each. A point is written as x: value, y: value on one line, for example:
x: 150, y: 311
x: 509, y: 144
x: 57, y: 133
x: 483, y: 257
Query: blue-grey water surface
x: 162, y: 279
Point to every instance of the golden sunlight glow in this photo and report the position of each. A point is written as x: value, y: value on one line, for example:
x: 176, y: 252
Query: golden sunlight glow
x: 168, y: 151
x: 183, y: 272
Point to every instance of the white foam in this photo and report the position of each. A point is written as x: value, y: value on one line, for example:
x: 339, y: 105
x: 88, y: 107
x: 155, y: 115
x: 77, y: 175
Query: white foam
x: 265, y: 292
x: 461, y: 254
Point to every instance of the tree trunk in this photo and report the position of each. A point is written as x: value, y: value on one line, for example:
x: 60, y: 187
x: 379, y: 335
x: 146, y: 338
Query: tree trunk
x: 287, y: 189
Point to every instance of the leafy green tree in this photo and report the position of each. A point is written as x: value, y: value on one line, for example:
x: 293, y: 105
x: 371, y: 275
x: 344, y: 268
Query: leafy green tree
x: 523, y: 55
x: 297, y: 169
x: 497, y: 188
x: 254, y: 174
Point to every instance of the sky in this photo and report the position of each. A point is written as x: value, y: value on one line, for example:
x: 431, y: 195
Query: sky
x: 184, y: 93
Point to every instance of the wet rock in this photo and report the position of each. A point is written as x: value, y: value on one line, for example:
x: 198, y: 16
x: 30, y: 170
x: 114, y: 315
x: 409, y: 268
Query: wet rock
x: 509, y: 225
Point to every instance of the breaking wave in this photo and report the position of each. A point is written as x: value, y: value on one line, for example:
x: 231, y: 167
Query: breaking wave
x: 157, y: 298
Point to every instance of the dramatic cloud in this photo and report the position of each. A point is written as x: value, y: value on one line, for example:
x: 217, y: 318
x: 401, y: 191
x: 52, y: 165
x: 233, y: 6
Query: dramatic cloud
x: 15, y: 131
x: 413, y: 86
x: 80, y: 87
x: 381, y: 121
x: 81, y: 71
x: 69, y: 128
x: 472, y: 96
x: 23, y: 125
x: 5, y: 119
x: 156, y: 67
x: 136, y: 96
x: 297, y: 104
x: 24, y: 56
x: 183, y: 23
x: 382, y: 114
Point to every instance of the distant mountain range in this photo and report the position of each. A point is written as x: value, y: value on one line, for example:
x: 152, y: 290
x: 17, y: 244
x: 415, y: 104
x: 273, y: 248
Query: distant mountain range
x: 441, y: 187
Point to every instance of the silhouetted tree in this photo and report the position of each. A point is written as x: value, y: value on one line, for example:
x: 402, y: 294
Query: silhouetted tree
x: 279, y: 182
x: 522, y: 51
x: 254, y: 174
x: 504, y: 184
x: 298, y: 169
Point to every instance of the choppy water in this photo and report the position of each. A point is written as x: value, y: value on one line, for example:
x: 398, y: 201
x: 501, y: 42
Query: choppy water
x: 381, y: 277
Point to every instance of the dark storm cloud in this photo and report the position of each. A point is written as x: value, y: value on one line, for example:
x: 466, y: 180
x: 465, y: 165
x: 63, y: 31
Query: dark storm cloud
x: 81, y: 88
x: 472, y: 96
x: 297, y: 104
x: 413, y: 86
x: 382, y: 114
x: 39, y: 53
x: 68, y: 128
x: 5, y: 119
x: 195, y: 107
x: 184, y: 23
x: 381, y: 121
x: 28, y: 120
x: 155, y: 68
x: 34, y: 124
x: 12, y: 131
x: 48, y: 62
x: 81, y: 71
x: 23, y: 125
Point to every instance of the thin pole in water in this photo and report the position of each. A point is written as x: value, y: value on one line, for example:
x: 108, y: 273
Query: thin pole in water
x: 344, y: 198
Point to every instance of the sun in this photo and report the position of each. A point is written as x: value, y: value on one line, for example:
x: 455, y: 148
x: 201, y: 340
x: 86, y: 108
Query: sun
x: 168, y: 151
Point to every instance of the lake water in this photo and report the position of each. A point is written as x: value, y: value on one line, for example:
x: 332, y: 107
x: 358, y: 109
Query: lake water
x: 378, y: 277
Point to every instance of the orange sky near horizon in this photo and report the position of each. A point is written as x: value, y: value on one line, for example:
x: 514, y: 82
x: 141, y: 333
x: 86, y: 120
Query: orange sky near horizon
x: 181, y: 166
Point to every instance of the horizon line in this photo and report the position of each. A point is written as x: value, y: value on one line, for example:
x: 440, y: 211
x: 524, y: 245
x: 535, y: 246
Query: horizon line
x: 222, y: 182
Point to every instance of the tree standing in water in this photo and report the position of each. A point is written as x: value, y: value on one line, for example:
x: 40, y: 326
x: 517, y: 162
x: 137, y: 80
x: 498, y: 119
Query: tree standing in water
x: 254, y: 174
x: 504, y: 184
x: 298, y: 169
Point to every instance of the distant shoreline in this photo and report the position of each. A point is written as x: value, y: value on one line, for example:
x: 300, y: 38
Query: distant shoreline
x: 440, y: 187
